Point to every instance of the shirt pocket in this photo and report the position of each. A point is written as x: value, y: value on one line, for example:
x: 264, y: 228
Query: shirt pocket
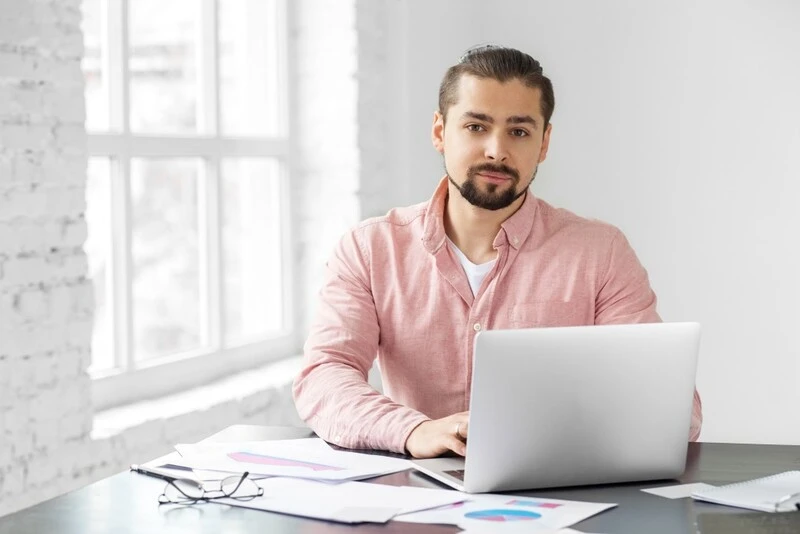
x: 550, y: 313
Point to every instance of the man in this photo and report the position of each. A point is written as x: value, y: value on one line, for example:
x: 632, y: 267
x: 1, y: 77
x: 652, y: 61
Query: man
x: 414, y: 287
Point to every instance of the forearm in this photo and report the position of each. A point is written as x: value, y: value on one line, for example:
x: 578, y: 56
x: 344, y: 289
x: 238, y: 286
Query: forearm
x: 336, y: 401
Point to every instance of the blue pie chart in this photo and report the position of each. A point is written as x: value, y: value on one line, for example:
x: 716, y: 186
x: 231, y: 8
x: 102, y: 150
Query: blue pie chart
x: 503, y: 515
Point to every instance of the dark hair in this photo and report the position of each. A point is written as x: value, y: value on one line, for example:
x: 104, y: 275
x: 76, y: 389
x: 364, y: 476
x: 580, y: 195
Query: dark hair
x: 501, y: 64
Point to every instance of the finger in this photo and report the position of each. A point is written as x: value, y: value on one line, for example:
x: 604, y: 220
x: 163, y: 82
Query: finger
x: 456, y: 445
x: 457, y: 430
x: 463, y: 424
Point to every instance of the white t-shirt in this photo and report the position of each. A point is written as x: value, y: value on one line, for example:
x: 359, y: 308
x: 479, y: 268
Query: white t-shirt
x: 475, y: 273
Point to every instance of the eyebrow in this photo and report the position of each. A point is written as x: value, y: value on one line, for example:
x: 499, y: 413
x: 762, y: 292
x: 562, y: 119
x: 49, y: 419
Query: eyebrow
x: 514, y: 119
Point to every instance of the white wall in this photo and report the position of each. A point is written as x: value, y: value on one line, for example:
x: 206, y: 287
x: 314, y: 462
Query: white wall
x: 680, y: 123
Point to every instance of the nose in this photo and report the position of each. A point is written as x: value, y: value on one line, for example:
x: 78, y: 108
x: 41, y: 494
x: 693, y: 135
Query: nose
x: 495, y: 148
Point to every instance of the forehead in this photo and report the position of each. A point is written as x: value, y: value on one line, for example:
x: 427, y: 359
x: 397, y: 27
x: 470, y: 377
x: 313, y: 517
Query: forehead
x: 497, y: 99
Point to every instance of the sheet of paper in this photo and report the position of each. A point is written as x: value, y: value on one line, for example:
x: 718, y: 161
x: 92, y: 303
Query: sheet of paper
x: 481, y: 511
x: 302, y: 458
x: 518, y: 527
x: 679, y: 491
x: 329, y: 511
x: 165, y: 465
x: 346, y: 502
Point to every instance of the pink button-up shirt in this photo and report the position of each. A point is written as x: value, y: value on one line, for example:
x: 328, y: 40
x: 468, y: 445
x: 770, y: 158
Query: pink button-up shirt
x: 395, y: 290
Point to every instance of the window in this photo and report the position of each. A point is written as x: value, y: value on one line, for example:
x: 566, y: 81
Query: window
x: 187, y: 200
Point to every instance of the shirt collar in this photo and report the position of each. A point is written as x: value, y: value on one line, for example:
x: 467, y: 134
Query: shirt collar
x: 514, y: 230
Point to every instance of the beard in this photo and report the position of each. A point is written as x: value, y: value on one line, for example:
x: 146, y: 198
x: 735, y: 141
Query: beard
x: 490, y: 199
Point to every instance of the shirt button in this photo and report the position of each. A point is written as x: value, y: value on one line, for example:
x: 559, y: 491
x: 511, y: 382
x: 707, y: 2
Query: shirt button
x: 337, y: 439
x: 516, y: 241
x: 477, y: 327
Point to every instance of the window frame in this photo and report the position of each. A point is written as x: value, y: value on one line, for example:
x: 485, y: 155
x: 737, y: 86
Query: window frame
x: 132, y: 381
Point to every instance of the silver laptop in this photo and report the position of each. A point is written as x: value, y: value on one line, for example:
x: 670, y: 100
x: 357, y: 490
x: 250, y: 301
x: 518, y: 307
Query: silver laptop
x: 576, y: 405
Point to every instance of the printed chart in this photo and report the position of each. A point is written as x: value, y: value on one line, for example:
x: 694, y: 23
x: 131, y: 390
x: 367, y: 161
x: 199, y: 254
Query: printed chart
x: 502, y: 515
x: 263, y: 459
x: 483, y: 511
x: 534, y: 504
x: 309, y: 458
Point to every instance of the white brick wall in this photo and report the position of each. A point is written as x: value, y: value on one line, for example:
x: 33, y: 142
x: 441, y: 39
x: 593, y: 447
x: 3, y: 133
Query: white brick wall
x: 47, y: 443
x: 45, y: 298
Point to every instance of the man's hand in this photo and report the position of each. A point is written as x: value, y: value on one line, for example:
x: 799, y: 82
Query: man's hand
x: 434, y: 438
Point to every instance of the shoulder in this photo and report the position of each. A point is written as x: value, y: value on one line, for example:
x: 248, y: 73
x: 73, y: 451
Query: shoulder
x: 397, y: 223
x: 563, y: 223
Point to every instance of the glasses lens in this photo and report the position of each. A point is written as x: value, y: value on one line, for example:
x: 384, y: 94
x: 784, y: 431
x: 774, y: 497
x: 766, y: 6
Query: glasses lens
x: 183, y: 489
x: 236, y: 487
x: 171, y: 494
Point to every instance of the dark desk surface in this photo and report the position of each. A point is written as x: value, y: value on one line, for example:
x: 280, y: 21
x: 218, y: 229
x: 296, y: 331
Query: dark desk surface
x: 126, y: 502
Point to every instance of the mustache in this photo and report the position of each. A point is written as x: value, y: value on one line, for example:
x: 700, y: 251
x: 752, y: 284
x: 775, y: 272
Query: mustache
x: 493, y: 167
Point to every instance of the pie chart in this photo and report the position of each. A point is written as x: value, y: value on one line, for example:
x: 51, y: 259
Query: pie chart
x: 503, y: 515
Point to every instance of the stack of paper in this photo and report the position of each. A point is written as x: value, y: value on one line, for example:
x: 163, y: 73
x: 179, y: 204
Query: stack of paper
x: 300, y: 458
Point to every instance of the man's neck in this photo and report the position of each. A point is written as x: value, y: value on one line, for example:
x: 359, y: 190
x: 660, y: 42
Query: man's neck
x: 474, y: 229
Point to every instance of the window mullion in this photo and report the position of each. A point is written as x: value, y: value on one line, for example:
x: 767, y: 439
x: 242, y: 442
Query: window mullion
x: 127, y: 333
x: 153, y: 146
x: 116, y: 39
x: 209, y: 213
x: 122, y: 266
x: 210, y: 254
x: 288, y: 272
x: 289, y: 277
x: 115, y: 35
x: 130, y: 271
x: 282, y: 67
x: 208, y: 108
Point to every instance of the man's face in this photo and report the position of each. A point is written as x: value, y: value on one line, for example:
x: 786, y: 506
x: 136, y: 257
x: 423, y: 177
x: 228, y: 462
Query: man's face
x: 492, y: 140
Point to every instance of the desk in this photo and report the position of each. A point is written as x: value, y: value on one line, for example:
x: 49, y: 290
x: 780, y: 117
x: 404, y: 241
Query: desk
x: 126, y: 502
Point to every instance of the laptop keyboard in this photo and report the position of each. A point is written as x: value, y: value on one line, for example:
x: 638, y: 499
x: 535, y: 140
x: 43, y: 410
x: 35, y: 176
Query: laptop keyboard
x: 456, y: 473
x: 750, y: 523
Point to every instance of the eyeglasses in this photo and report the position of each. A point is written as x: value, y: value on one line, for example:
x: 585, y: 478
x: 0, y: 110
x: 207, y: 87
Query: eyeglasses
x: 188, y: 491
x: 788, y: 499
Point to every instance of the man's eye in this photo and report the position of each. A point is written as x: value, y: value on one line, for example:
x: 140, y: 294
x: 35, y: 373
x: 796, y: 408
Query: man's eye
x: 519, y: 132
x: 474, y: 127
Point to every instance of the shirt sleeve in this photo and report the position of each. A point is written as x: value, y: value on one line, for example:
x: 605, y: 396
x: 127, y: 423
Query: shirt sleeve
x: 625, y: 296
x: 331, y: 392
x: 697, y: 418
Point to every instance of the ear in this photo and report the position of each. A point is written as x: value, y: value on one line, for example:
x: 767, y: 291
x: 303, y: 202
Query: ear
x: 545, y: 143
x: 437, y: 132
